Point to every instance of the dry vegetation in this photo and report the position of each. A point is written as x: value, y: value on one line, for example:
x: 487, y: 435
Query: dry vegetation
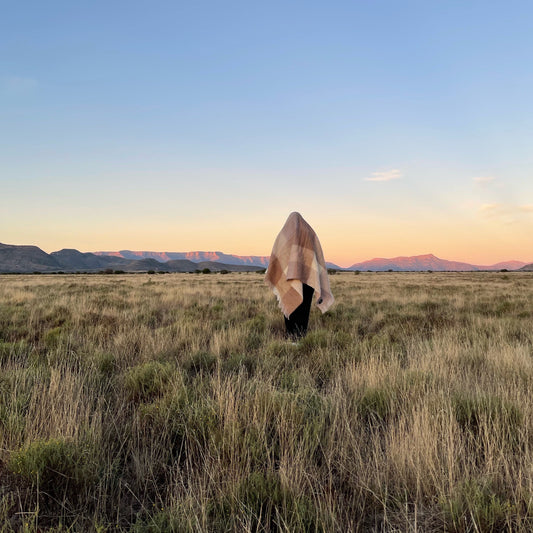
x: 173, y: 403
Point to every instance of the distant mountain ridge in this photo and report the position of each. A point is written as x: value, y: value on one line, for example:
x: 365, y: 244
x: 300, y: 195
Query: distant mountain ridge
x: 14, y: 258
x: 195, y: 257
x: 24, y: 259
x: 20, y: 259
x: 429, y: 262
x: 260, y: 261
x: 403, y: 263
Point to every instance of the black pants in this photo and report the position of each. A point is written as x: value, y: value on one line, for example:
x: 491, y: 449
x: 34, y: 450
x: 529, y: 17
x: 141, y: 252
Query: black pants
x: 297, y: 322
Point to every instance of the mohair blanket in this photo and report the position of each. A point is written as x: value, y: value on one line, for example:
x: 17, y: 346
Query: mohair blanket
x: 297, y: 258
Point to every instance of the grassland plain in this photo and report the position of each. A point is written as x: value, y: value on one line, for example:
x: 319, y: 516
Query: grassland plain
x: 173, y: 403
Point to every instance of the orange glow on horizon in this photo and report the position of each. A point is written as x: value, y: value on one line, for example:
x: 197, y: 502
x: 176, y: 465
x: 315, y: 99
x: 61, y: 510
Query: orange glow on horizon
x: 345, y: 241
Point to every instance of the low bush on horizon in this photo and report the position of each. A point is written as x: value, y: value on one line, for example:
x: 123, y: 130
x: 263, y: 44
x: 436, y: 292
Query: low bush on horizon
x: 174, y: 403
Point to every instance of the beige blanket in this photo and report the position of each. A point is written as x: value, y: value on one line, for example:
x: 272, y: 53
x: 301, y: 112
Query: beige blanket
x: 297, y: 258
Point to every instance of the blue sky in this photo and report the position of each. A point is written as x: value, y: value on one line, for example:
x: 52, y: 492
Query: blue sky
x: 395, y: 128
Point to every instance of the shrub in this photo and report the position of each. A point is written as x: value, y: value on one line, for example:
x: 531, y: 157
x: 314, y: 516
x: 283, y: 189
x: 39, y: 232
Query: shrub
x: 54, y: 464
x: 6, y: 349
x: 51, y: 339
x: 471, y: 410
x: 148, y: 380
x: 106, y: 364
x: 289, y: 380
x: 274, y: 507
x: 475, y: 506
x: 237, y: 362
x: 201, y: 362
x: 376, y: 404
x: 264, y: 504
x: 317, y: 339
x: 206, y: 271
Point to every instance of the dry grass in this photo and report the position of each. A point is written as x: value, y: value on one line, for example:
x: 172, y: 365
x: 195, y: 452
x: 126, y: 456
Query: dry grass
x: 173, y: 403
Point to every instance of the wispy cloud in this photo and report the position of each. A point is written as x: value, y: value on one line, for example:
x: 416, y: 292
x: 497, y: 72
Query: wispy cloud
x: 18, y: 84
x: 507, y: 213
x: 386, y: 175
x: 491, y: 208
x: 483, y: 179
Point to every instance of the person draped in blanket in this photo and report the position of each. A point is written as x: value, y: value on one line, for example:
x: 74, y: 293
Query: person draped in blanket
x: 295, y: 272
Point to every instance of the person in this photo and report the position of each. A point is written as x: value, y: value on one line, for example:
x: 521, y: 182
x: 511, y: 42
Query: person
x: 295, y: 272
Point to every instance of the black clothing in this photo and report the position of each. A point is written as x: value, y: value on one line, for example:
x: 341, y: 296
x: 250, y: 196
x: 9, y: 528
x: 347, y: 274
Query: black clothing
x: 298, y: 320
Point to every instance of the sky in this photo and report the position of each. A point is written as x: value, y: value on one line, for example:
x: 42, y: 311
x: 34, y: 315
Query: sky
x: 394, y: 127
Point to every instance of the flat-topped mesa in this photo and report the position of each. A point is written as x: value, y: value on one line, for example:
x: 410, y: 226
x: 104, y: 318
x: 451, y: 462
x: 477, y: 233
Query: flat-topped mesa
x: 203, y: 256
x: 197, y: 256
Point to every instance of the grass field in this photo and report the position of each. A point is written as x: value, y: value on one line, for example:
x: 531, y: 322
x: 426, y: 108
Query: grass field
x: 173, y: 403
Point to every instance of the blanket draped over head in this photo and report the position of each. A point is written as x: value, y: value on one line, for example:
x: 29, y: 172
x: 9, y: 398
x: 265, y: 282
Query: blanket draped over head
x: 297, y: 258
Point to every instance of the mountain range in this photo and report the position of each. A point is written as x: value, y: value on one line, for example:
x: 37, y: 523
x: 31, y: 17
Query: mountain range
x: 260, y: 261
x: 20, y: 259
x: 195, y: 257
x: 430, y: 262
x: 414, y: 263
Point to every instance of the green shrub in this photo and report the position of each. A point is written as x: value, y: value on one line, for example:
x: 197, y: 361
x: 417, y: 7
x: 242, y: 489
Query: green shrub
x: 54, y: 464
x: 264, y: 504
x: 148, y: 380
x: 289, y: 380
x: 17, y: 349
x: 51, y: 339
x: 376, y: 404
x: 236, y: 363
x: 202, y: 423
x: 6, y: 349
x: 201, y: 362
x: 317, y: 339
x: 477, y: 506
x: 257, y: 324
x: 106, y: 363
x: 273, y: 507
x: 472, y: 410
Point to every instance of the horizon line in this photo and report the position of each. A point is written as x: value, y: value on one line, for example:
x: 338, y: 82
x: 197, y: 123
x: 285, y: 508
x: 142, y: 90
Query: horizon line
x: 352, y: 263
